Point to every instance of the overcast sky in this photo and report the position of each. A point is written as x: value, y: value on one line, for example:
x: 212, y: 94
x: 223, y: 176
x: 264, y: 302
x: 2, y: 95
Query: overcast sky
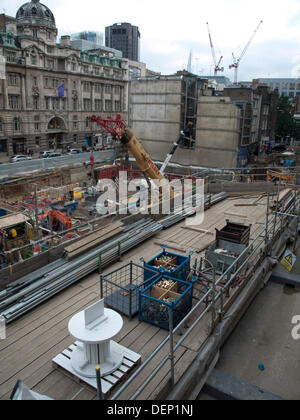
x: 170, y: 29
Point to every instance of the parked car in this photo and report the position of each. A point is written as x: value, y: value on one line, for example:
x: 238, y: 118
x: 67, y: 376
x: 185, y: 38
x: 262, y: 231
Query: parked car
x: 53, y: 155
x: 19, y: 158
x: 74, y: 151
x: 279, y: 148
x: 45, y: 154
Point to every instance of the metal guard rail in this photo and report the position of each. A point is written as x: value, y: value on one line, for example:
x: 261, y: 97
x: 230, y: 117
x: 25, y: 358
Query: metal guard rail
x: 264, y: 237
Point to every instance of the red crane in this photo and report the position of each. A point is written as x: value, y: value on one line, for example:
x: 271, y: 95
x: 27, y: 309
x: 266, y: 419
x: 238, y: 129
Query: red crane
x: 114, y: 127
x: 236, y: 61
x: 216, y: 64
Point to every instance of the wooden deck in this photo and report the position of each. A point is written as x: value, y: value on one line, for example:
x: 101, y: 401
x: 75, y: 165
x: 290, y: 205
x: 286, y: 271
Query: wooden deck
x: 35, y: 339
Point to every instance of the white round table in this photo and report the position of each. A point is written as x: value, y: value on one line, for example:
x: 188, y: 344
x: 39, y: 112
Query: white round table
x: 97, y: 347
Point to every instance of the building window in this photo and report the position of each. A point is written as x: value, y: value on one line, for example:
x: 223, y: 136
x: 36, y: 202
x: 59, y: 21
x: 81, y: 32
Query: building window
x: 97, y: 71
x: 98, y: 105
x: 75, y: 138
x: 35, y: 103
x: 75, y: 104
x: 117, y: 90
x: 12, y: 79
x: 266, y: 110
x: 108, y: 89
x: 75, y: 122
x: 87, y: 122
x: 33, y: 60
x: 14, y: 101
x: 264, y: 125
x: 1, y: 101
x: 11, y: 57
x: 35, y: 33
x: 35, y: 81
x: 47, y: 103
x: 55, y: 83
x: 16, y: 124
x: 1, y: 125
x: 55, y: 103
x: 50, y: 64
x: 73, y: 66
x: 87, y: 105
x: 46, y: 81
x: 97, y: 88
x: 86, y: 69
x: 86, y: 86
x: 117, y: 106
x: 108, y: 106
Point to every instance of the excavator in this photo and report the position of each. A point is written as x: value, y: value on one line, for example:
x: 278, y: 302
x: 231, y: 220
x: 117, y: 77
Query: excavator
x: 57, y: 219
x: 118, y: 129
x: 290, y: 178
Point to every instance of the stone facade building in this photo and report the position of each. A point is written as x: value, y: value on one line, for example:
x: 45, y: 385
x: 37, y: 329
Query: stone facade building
x: 51, y: 89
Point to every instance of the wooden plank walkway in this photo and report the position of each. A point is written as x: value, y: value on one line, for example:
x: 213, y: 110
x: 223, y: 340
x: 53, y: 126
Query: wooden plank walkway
x: 40, y: 335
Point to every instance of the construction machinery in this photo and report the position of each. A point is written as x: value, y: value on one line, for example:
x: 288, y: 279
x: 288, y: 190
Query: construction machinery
x: 237, y: 61
x: 56, y: 220
x: 186, y: 136
x: 118, y: 129
x: 217, y: 64
x: 289, y: 178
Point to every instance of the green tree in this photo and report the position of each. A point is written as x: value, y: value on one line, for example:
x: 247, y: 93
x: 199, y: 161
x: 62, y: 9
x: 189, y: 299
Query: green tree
x: 286, y: 125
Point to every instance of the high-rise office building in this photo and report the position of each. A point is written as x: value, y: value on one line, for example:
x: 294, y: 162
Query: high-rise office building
x: 91, y: 36
x: 124, y: 37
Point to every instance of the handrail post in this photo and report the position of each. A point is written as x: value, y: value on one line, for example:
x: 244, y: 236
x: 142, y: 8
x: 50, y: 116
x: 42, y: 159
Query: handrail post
x: 221, y: 310
x: 99, y: 385
x: 213, y: 311
x: 171, y: 356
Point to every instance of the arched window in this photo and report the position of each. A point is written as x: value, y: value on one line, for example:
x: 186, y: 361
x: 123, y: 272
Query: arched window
x: 34, y: 11
x: 17, y: 124
x: 56, y: 124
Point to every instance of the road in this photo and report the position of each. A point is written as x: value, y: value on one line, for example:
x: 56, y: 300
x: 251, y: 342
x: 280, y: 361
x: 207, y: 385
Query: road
x: 11, y: 169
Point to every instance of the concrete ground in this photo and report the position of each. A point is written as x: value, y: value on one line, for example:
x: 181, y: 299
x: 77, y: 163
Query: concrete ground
x: 264, y: 336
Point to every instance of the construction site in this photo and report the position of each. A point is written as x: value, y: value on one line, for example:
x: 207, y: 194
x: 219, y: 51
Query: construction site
x: 168, y: 292
x: 156, y: 258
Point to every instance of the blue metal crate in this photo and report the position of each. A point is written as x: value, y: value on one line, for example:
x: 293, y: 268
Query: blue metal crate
x: 182, y: 270
x: 155, y: 311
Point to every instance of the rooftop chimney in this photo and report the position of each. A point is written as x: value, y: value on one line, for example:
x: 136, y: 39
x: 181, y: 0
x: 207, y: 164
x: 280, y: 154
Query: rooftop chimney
x: 65, y: 40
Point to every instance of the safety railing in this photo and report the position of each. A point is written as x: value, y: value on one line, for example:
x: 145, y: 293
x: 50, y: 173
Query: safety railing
x: 264, y: 241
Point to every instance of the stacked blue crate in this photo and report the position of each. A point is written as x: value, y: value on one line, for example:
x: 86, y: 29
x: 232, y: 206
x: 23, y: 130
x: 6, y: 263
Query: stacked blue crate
x: 181, y: 271
x: 155, y: 303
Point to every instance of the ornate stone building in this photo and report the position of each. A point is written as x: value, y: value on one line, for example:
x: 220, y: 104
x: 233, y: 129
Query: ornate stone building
x: 51, y: 89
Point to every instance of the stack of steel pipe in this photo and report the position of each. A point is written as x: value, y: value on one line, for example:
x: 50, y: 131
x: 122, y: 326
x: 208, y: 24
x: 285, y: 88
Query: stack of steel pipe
x: 37, y: 287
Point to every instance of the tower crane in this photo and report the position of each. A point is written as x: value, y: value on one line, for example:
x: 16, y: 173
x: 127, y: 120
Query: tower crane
x: 237, y: 61
x: 216, y: 64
